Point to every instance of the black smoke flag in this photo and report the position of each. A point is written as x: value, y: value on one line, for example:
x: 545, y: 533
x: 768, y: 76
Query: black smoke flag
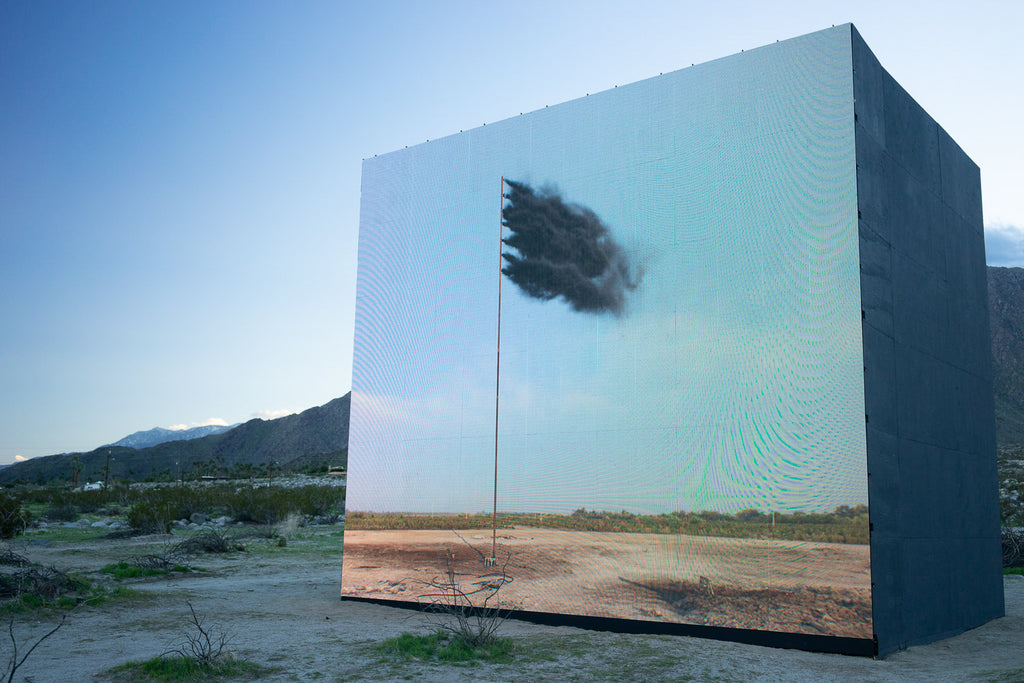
x: 564, y: 250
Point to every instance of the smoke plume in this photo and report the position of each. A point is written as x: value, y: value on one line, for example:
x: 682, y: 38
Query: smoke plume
x: 564, y: 250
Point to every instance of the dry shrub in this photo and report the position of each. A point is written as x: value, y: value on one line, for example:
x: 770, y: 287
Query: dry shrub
x: 14, y: 519
x: 1013, y: 547
x: 203, y: 645
x: 14, y: 662
x: 46, y: 583
x: 471, y: 614
x: 12, y: 559
x: 211, y: 541
x: 289, y: 525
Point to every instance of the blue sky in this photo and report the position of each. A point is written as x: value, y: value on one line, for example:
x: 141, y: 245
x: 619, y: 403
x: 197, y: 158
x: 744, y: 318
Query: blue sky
x: 179, y: 181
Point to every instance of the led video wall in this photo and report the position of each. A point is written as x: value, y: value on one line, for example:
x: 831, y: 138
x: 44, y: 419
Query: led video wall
x: 608, y: 357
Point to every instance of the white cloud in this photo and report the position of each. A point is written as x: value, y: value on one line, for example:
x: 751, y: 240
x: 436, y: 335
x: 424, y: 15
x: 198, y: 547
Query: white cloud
x: 1004, y: 245
x: 219, y: 421
x: 273, y: 414
x: 20, y: 458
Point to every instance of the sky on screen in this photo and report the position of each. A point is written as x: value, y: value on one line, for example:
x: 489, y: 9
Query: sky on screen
x: 726, y: 362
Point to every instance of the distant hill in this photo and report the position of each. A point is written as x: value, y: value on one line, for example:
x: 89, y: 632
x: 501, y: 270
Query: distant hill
x: 1006, y: 311
x: 318, y: 436
x: 158, y: 435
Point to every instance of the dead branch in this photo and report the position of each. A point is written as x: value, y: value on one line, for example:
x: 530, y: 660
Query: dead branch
x: 468, y: 613
x: 13, y: 664
x: 204, y: 646
x: 1013, y: 547
x: 11, y: 558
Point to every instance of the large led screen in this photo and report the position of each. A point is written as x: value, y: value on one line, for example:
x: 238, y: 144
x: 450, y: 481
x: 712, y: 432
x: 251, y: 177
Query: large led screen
x: 608, y: 357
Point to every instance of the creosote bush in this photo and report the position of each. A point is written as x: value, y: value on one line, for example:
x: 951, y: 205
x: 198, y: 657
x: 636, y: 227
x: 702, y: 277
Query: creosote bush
x: 154, y: 509
x: 60, y: 512
x: 83, y: 501
x: 247, y: 503
x: 211, y: 541
x: 13, y: 518
x: 152, y: 517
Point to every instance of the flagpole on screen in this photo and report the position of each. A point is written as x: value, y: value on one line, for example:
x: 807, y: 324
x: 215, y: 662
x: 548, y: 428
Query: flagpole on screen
x: 497, y: 380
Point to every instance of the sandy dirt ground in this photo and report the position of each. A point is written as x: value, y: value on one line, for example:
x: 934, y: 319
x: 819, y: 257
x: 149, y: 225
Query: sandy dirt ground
x: 799, y: 587
x: 282, y: 609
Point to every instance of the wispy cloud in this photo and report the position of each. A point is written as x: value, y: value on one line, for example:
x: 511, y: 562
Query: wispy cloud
x: 273, y: 414
x: 1004, y: 245
x: 219, y: 421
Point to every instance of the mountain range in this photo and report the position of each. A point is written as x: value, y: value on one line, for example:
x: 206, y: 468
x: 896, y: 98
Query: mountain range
x: 312, y: 438
x: 158, y: 435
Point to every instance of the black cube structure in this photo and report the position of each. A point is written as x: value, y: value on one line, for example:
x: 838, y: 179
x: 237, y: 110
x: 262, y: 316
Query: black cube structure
x: 704, y: 354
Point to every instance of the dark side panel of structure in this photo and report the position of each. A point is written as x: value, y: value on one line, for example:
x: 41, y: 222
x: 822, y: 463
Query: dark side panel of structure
x: 932, y: 483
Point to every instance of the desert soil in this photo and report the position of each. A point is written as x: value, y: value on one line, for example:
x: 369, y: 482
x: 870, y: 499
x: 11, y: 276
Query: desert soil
x: 282, y: 609
x: 798, y: 587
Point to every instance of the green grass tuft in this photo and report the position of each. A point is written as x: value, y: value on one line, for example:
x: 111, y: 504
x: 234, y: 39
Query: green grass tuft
x: 442, y: 646
x: 123, y: 570
x: 1019, y: 571
x: 177, y: 669
x: 120, y: 593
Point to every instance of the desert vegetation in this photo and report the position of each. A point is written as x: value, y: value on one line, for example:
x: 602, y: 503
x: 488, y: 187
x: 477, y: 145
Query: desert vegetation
x: 1011, y: 485
x: 13, y: 517
x: 255, y: 595
x: 39, y: 597
x: 843, y: 525
x: 445, y: 647
x: 466, y: 616
x: 202, y: 655
x: 136, y: 510
x: 154, y: 508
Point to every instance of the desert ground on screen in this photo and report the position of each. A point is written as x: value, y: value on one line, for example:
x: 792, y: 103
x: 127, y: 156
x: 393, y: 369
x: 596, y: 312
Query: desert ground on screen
x: 801, y: 587
x: 281, y: 608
